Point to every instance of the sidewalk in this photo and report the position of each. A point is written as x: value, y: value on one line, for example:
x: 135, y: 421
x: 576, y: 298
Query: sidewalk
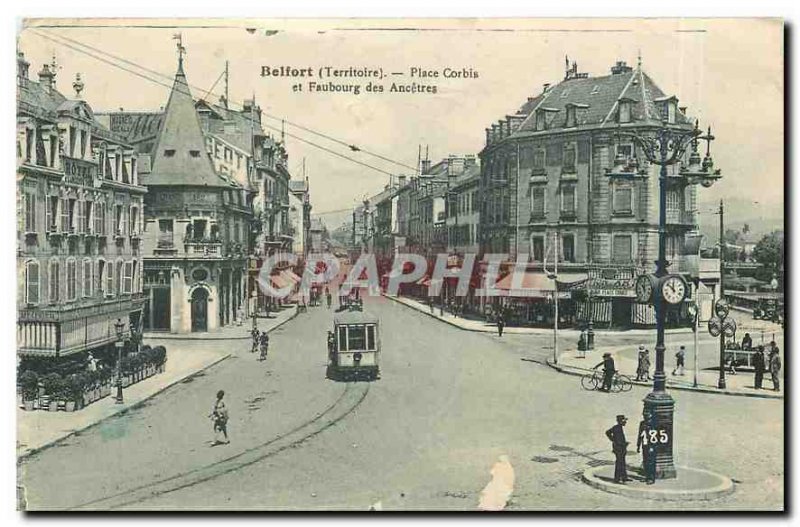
x: 232, y: 331
x: 488, y: 327
x: 39, y: 429
x: 571, y: 362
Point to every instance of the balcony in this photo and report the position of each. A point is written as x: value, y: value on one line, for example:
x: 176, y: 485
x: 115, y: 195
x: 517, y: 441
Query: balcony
x: 203, y: 249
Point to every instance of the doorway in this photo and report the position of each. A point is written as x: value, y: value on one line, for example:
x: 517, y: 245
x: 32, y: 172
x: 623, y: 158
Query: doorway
x: 200, y: 309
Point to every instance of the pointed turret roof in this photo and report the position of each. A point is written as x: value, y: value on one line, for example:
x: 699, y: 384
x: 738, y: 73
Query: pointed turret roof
x: 180, y: 157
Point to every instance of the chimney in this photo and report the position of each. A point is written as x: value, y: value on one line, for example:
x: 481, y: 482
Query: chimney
x: 455, y: 165
x: 620, y: 67
x: 47, y: 78
x: 515, y: 121
x: 426, y: 166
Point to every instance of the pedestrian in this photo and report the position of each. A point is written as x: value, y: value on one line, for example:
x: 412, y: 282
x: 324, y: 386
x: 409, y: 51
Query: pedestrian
x: 254, y: 333
x: 775, y: 368
x: 646, y: 444
x: 91, y: 362
x: 328, y: 297
x: 646, y: 364
x: 609, y: 369
x: 582, y: 340
x: 264, y: 343
x: 747, y: 342
x: 680, y: 359
x: 219, y: 417
x: 501, y: 324
x: 619, y: 446
x: 760, y: 366
x: 641, y: 373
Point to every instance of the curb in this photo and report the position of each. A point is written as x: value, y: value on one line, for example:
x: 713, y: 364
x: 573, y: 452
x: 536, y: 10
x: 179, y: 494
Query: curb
x: 579, y: 372
x: 724, y: 488
x: 29, y: 453
x: 22, y: 457
x: 538, y: 331
x: 211, y: 336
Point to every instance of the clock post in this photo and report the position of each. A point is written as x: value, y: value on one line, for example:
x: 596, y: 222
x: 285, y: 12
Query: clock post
x: 664, y: 148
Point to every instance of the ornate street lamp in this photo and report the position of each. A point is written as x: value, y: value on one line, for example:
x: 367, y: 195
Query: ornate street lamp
x: 663, y: 147
x: 119, y: 327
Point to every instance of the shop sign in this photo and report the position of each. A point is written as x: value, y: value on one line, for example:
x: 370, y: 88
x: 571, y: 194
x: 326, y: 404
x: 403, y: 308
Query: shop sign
x: 79, y: 171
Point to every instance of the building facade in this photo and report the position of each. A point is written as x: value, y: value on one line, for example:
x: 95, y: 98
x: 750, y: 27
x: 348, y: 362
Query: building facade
x: 80, y: 220
x: 560, y: 180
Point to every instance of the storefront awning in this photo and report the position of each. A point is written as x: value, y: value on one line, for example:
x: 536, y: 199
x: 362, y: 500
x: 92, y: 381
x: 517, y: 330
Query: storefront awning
x: 537, y: 284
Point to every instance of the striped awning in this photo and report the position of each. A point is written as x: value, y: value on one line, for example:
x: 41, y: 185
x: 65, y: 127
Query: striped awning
x: 535, y: 284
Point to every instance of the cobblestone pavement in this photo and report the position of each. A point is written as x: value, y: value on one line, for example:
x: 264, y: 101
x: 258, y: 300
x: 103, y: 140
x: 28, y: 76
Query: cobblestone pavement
x: 424, y: 436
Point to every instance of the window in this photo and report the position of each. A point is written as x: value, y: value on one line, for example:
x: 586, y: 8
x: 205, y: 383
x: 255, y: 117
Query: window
x: 88, y: 285
x: 81, y: 216
x: 169, y: 152
x: 87, y: 218
x: 83, y: 144
x: 30, y: 212
x: 72, y: 280
x: 100, y: 275
x: 570, y: 116
x: 54, y: 277
x: 538, y: 201
x: 134, y: 226
x: 72, y: 138
x: 357, y: 338
x: 569, y: 157
x: 71, y: 226
x: 541, y: 122
x: 64, y: 215
x: 621, y: 251
x: 51, y: 213
x: 118, y: 277
x: 32, y: 282
x: 127, y: 279
x: 623, y: 200
x: 165, y: 237
x: 118, y: 220
x: 343, y: 338
x: 194, y: 153
x: 28, y: 144
x: 537, y: 248
x: 125, y: 178
x: 595, y: 90
x: 539, y: 159
x: 626, y: 150
x: 100, y: 218
x: 624, y: 115
x: 568, y: 247
x: 568, y: 200
x: 371, y: 337
x: 109, y: 268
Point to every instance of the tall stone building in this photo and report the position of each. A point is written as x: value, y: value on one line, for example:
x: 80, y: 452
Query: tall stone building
x: 560, y: 177
x: 198, y: 219
x: 80, y: 204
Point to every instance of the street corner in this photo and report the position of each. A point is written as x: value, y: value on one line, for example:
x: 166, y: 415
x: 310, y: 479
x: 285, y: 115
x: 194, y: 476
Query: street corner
x: 691, y: 484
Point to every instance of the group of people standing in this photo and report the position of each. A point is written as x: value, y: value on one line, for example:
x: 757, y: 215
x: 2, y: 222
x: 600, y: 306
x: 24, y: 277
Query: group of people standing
x: 647, y: 438
x: 771, y: 363
x: 260, y: 342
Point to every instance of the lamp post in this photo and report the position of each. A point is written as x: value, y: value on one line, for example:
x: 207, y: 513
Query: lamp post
x: 663, y: 148
x: 119, y: 327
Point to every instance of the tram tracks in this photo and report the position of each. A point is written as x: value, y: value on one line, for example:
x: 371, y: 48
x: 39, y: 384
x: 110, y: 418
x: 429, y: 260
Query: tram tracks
x: 350, y: 399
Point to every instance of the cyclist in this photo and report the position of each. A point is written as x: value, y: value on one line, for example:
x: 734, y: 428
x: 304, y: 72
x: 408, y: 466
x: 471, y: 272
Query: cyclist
x: 609, y: 370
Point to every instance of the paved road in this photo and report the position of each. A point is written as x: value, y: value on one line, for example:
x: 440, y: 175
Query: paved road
x: 425, y: 436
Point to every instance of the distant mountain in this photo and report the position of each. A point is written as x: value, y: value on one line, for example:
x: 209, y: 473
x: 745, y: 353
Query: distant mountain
x: 762, y: 219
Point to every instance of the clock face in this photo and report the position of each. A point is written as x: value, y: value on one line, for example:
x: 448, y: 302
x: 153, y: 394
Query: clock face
x: 673, y: 290
x: 644, y: 289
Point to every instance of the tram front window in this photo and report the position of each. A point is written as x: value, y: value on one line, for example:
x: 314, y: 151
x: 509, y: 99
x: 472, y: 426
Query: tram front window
x: 358, y: 338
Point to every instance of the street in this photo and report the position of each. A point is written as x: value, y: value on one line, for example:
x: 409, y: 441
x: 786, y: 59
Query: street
x: 425, y: 436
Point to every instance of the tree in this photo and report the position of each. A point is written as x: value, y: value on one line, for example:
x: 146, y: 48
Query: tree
x: 769, y: 253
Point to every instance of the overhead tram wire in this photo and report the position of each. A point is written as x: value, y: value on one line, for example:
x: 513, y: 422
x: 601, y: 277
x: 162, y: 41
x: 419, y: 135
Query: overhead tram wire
x: 156, y: 81
x: 60, y: 39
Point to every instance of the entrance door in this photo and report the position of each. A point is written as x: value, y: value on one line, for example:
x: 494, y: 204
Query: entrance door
x: 159, y: 315
x: 200, y: 310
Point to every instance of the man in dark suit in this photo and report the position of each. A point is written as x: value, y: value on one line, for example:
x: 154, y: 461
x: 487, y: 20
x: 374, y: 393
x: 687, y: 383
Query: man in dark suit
x: 609, y: 369
x: 619, y: 445
x: 759, y: 364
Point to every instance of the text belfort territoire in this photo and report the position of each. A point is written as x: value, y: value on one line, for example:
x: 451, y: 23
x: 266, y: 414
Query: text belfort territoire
x: 356, y: 80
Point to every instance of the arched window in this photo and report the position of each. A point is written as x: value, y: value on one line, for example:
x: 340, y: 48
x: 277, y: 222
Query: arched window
x: 32, y: 282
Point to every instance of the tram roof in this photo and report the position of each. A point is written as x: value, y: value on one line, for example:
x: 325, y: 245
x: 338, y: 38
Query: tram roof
x: 354, y: 317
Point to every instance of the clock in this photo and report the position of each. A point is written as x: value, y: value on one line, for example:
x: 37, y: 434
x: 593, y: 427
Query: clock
x: 644, y: 289
x: 721, y: 308
x: 673, y: 289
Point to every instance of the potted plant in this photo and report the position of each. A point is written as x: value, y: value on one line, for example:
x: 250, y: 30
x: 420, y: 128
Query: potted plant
x: 29, y: 383
x: 52, y: 389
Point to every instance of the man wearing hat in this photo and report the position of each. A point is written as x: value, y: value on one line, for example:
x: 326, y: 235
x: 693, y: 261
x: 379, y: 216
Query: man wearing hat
x: 619, y: 445
x: 609, y: 369
x: 775, y: 368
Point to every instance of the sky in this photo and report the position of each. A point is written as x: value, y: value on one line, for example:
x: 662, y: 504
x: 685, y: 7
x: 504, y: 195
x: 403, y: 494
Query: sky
x: 728, y: 72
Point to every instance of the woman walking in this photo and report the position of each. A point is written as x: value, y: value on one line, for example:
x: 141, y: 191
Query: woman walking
x: 219, y: 416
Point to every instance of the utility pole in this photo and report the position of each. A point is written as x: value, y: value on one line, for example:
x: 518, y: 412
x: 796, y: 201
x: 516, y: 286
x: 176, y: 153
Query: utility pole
x: 555, y: 299
x: 226, y: 85
x: 721, y: 381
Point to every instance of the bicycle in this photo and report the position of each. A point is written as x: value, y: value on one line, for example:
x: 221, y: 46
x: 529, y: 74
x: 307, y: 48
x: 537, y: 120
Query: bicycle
x: 594, y: 381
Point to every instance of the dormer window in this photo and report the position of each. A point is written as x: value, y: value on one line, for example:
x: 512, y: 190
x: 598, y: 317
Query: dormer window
x: 194, y: 153
x: 624, y: 114
x: 541, y: 120
x: 668, y: 107
x: 572, y: 113
x: 169, y: 152
x: 595, y: 90
x: 570, y: 116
